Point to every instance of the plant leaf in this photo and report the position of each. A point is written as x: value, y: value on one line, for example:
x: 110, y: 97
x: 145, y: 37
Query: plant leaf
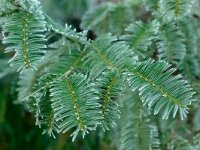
x: 170, y: 43
x: 23, y: 31
x: 157, y: 87
x: 74, y: 104
x: 140, y: 36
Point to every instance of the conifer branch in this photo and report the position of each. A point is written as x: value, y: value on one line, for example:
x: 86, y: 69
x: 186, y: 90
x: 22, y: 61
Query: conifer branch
x: 48, y: 84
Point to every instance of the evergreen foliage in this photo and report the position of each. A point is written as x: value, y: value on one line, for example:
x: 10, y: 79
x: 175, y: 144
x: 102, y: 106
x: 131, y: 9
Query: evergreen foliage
x: 140, y: 35
x: 25, y: 38
x: 170, y: 44
x: 123, y: 81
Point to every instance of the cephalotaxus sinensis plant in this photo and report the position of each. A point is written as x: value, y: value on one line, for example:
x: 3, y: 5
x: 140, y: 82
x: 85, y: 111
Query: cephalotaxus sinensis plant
x: 137, y: 78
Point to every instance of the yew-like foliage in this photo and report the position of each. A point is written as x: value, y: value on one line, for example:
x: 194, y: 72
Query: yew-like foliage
x: 137, y: 76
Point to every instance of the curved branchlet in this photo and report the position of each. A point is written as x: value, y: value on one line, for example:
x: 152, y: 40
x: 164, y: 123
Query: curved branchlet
x: 138, y: 133
x: 170, y: 43
x: 23, y: 31
x: 110, y: 86
x: 40, y: 106
x: 104, y: 53
x: 175, y: 9
x: 179, y: 143
x: 157, y: 87
x: 140, y: 35
x: 74, y: 104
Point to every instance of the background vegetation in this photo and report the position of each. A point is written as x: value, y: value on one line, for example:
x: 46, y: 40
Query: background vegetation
x: 17, y: 125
